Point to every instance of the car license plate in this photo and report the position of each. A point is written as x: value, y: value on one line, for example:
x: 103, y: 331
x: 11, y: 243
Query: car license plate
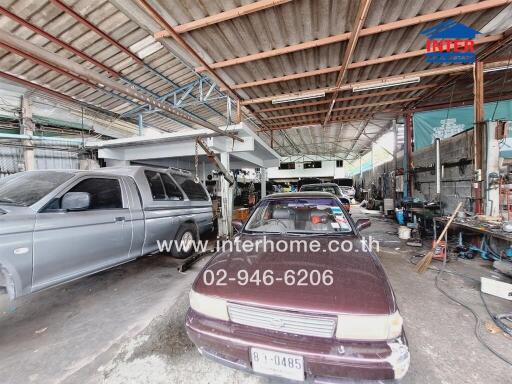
x: 280, y: 364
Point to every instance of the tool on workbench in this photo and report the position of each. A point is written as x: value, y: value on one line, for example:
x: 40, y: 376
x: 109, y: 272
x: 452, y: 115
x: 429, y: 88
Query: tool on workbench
x: 427, y: 259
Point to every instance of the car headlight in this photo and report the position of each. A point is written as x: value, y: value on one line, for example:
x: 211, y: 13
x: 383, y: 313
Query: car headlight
x: 369, y: 327
x: 209, y: 305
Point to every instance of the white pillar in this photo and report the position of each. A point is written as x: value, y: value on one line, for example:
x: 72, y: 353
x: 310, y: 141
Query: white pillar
x: 226, y: 194
x: 27, y: 128
x: 263, y: 180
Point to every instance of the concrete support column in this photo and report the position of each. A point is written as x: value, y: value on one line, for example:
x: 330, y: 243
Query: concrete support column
x: 263, y: 180
x: 27, y: 128
x: 226, y: 193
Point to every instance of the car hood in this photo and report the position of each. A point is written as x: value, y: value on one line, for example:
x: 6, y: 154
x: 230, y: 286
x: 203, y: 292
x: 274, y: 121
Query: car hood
x: 359, y: 286
x: 16, y: 219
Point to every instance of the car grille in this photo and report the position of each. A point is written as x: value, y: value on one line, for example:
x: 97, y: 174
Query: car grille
x: 283, y: 321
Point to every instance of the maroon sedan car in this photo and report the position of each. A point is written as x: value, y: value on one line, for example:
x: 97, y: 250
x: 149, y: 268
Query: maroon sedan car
x: 298, y: 295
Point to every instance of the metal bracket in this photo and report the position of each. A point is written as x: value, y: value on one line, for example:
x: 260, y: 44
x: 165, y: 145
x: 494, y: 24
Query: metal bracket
x: 213, y: 158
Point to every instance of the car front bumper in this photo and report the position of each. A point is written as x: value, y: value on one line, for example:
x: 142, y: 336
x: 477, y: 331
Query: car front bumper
x: 325, y: 360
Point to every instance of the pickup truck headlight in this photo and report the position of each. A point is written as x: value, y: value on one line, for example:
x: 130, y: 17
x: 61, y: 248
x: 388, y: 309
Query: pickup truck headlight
x: 369, y: 327
x: 209, y: 305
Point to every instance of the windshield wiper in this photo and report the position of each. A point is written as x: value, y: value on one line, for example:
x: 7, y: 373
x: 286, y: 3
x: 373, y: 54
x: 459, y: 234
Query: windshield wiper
x: 324, y: 233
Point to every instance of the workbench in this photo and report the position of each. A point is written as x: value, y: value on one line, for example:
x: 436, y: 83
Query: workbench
x: 475, y: 226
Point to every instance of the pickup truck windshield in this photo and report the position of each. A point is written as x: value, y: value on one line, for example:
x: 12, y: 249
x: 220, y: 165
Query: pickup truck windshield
x: 26, y: 188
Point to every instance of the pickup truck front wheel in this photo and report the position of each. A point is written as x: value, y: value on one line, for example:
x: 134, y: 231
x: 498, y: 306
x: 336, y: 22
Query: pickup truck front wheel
x: 183, y: 247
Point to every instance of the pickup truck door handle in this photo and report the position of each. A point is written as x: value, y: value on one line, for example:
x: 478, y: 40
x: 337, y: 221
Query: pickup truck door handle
x: 120, y: 218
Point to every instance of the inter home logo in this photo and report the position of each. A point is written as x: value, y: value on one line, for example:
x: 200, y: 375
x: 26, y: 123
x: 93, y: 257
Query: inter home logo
x: 450, y: 42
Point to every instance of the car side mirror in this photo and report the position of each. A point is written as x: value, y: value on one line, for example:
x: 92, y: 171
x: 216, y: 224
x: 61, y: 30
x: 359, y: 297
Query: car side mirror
x: 76, y: 201
x: 362, y: 224
x: 237, y: 225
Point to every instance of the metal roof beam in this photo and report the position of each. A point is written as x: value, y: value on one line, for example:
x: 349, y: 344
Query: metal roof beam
x: 426, y: 73
x: 164, y: 24
x: 349, y: 98
x: 360, y: 131
x: 67, y: 9
x: 158, y: 18
x: 223, y: 16
x: 362, y: 12
x: 347, y: 108
x: 82, y: 20
x: 358, y: 64
x: 57, y: 41
x: 297, y: 124
x: 100, y: 81
x: 488, y: 51
x: 480, y: 6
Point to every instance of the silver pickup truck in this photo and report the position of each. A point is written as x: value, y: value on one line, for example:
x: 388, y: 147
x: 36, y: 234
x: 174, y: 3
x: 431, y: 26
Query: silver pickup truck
x: 57, y: 226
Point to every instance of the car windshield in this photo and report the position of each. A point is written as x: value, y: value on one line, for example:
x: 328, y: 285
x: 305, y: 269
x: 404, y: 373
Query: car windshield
x: 26, y: 188
x: 299, y: 215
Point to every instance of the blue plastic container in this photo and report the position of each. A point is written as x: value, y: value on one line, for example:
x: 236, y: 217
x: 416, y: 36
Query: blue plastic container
x: 400, y: 217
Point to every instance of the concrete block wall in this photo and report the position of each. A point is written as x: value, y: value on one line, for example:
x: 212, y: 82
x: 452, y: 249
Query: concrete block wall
x: 456, y: 181
x: 455, y: 185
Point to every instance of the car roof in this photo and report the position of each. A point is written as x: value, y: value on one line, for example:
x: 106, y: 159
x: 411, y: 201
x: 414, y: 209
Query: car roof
x: 320, y: 185
x: 128, y: 170
x: 292, y: 195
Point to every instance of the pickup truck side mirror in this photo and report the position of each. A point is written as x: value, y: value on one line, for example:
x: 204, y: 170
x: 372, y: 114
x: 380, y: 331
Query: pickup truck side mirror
x: 76, y: 201
x: 237, y: 225
x: 362, y: 224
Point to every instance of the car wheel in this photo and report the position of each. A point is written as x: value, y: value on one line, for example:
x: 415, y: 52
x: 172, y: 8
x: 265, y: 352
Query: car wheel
x: 183, y: 247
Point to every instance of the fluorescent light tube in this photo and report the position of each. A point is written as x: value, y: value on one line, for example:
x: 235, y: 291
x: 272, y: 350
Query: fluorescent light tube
x: 496, y: 69
x: 303, y: 96
x: 385, y: 84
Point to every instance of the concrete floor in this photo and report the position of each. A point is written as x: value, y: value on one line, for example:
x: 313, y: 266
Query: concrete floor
x: 126, y: 326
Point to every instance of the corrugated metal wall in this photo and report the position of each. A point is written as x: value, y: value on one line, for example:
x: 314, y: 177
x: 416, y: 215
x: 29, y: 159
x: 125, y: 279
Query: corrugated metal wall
x: 48, y: 156
x: 10, y: 160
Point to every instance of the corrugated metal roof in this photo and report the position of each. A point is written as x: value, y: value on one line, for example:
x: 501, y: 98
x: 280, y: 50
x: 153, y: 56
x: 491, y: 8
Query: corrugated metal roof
x: 275, y: 27
x: 117, y: 25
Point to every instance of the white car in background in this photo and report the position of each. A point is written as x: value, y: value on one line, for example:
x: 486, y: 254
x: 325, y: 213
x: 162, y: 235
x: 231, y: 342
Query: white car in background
x: 348, y: 191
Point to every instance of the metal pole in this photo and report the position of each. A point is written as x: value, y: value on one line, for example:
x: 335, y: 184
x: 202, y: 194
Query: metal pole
x: 438, y: 166
x: 226, y: 194
x: 263, y: 180
x: 140, y: 120
x: 408, y: 156
x: 478, y: 133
